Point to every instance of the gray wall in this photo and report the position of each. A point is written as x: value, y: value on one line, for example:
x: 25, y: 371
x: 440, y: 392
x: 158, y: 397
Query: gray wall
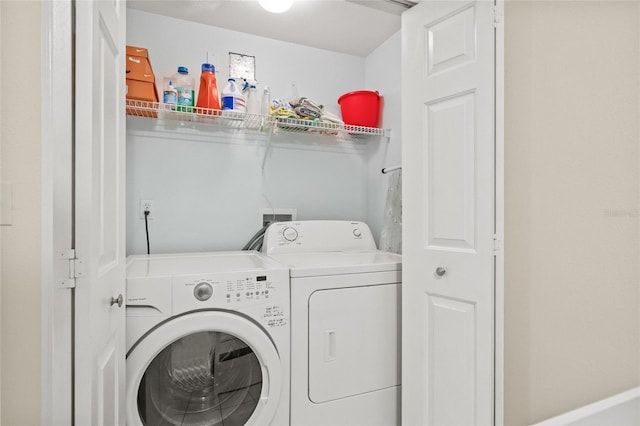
x: 572, y: 186
x: 20, y: 330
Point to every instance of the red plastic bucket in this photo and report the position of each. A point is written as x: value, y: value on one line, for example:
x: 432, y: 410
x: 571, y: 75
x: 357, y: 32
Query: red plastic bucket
x: 360, y: 108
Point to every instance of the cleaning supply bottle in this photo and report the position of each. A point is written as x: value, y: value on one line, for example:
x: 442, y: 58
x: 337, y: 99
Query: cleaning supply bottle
x: 253, y: 103
x: 208, y: 93
x: 170, y: 95
x: 253, y: 120
x: 266, y: 101
x: 185, y: 88
x: 245, y: 85
x: 232, y: 97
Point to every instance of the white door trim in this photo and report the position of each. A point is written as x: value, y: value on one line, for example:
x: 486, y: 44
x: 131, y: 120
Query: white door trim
x: 56, y: 302
x: 499, y: 212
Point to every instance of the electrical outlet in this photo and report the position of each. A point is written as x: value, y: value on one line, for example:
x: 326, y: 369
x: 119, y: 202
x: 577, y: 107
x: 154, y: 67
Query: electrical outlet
x: 146, y: 205
x: 276, y: 215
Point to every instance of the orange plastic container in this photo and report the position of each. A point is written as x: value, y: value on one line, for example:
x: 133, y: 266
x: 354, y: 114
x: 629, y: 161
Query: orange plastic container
x: 208, y: 93
x: 360, y: 108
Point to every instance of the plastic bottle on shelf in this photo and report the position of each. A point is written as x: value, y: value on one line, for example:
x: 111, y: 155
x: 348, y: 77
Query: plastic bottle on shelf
x: 208, y: 92
x: 266, y: 101
x: 253, y: 103
x: 232, y: 97
x: 253, y: 108
x: 245, y: 85
x: 185, y: 88
x: 170, y: 95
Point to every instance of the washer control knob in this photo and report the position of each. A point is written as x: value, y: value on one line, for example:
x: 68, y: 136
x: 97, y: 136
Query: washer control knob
x: 290, y: 234
x: 357, y: 233
x: 203, y: 291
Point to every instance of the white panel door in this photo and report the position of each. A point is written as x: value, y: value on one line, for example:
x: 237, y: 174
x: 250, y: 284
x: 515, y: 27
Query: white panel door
x: 448, y: 224
x: 99, y: 212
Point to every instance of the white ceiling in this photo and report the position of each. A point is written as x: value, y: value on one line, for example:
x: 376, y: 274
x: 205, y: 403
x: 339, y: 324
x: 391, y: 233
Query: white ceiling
x: 355, y: 27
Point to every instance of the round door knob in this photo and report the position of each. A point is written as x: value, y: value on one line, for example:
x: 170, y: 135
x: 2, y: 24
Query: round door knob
x: 440, y: 271
x: 117, y: 301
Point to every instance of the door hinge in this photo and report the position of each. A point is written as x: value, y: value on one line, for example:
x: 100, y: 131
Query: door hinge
x: 497, y: 16
x: 497, y: 244
x: 76, y: 269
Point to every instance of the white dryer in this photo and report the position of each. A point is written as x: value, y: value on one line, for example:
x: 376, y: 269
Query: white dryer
x: 345, y: 323
x: 207, y: 340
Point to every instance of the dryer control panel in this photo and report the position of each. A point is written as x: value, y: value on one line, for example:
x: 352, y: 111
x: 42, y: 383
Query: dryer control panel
x: 317, y: 235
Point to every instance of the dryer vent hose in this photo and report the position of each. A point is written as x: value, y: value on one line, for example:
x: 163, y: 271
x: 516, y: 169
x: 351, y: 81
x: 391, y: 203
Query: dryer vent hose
x: 255, y: 243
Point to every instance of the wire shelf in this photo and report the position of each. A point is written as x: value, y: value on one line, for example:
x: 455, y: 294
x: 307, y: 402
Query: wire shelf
x: 242, y: 121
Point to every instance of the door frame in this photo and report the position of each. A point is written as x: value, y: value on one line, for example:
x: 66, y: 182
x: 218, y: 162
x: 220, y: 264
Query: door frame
x: 499, y: 18
x: 57, y: 211
x: 57, y: 357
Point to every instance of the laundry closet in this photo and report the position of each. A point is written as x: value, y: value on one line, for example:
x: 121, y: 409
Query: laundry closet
x: 210, y: 185
x: 319, y: 309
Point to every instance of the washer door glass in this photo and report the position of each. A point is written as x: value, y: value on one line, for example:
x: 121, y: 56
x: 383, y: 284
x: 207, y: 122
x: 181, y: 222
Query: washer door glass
x: 205, y: 378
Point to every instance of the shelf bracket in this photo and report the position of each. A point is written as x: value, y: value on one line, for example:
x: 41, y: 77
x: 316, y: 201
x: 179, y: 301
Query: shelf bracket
x: 268, y: 145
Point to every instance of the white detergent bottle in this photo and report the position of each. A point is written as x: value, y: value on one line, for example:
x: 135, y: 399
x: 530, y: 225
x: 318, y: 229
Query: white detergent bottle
x: 232, y: 97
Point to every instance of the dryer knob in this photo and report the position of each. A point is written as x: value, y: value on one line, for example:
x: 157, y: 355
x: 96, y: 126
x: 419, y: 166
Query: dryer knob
x: 290, y: 234
x: 203, y: 291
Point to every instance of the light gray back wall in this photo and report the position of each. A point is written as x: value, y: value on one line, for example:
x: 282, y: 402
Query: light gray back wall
x: 207, y: 186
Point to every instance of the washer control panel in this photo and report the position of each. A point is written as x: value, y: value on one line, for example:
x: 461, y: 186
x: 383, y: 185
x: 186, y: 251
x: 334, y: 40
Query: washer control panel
x: 231, y: 291
x: 317, y: 235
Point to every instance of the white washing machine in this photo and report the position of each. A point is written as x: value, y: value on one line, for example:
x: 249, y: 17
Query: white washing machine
x: 207, y: 340
x: 345, y: 323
